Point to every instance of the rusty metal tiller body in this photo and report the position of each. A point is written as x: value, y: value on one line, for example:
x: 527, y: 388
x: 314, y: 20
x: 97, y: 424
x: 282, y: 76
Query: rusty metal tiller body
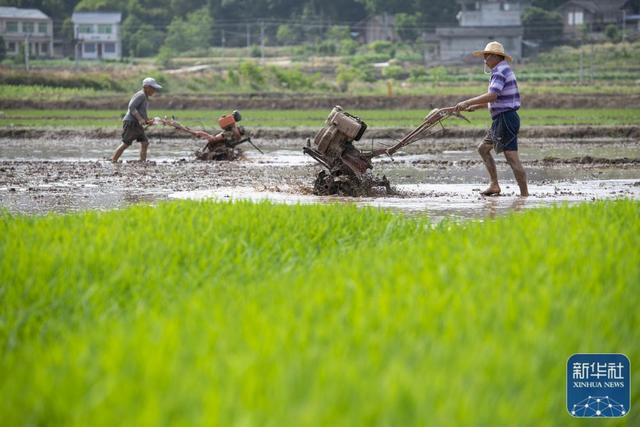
x: 222, y: 146
x: 346, y: 168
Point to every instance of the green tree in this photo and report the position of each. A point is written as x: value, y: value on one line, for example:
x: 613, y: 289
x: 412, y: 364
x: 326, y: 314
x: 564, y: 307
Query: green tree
x: 542, y: 26
x: 178, y: 36
x: 341, y: 10
x: 140, y: 39
x: 56, y: 9
x: 184, y: 7
x: 613, y: 33
x: 66, y: 31
x: 155, y: 13
x: 327, y: 48
x: 407, y: 26
x: 388, y: 6
x: 338, y: 33
x: 288, y: 34
x: 101, y: 5
x: 347, y: 47
x: 337, y: 40
x: 436, y: 12
x: 165, y: 57
x: 383, y: 47
x: 191, y: 33
x: 3, y: 49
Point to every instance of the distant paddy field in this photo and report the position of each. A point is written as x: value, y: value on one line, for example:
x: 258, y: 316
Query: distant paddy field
x: 314, y: 117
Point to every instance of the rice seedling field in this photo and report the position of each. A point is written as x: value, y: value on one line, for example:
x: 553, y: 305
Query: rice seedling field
x: 205, y: 313
x: 19, y: 93
x: 314, y: 118
x: 464, y: 85
x: 554, y: 84
x: 22, y: 92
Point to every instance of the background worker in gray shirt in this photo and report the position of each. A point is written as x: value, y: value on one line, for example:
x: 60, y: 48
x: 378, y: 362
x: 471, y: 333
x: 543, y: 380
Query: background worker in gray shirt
x: 136, y: 118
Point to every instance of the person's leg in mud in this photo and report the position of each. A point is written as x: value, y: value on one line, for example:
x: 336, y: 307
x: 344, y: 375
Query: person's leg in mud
x: 119, y: 152
x: 484, y: 149
x: 129, y: 134
x: 144, y: 143
x: 143, y: 150
x: 518, y: 171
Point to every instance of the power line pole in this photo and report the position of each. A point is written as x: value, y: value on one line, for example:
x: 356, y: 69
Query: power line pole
x: 581, y: 67
x: 26, y: 51
x: 262, y: 41
x: 248, y: 36
x: 591, y: 62
x: 76, y: 49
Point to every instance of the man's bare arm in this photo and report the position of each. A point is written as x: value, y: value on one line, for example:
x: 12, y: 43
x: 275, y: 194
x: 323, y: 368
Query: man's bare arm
x: 135, y: 113
x: 475, y: 107
x: 478, y: 100
x: 133, y: 109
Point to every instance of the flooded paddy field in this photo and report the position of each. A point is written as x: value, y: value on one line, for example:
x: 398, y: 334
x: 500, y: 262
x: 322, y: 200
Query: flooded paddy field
x: 437, y: 177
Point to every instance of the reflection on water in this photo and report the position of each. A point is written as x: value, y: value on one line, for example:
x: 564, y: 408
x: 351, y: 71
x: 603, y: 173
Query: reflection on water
x: 492, y: 206
x: 64, y: 202
x: 444, y: 200
x: 135, y: 198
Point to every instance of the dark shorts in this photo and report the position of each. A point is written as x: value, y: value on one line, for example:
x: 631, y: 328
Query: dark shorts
x: 503, y: 134
x: 133, y: 131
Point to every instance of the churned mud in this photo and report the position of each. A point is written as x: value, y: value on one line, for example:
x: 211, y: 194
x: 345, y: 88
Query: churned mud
x: 284, y: 134
x: 439, y: 177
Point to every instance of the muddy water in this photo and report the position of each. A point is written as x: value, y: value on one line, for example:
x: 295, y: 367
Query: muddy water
x: 444, y: 200
x: 171, y: 149
x: 440, y: 178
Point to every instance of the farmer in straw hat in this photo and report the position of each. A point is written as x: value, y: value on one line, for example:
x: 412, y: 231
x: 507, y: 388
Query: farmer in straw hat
x: 503, y: 100
x: 135, y: 120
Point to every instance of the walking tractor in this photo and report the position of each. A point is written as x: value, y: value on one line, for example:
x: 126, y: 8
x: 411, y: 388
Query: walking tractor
x: 346, y: 168
x: 223, y: 145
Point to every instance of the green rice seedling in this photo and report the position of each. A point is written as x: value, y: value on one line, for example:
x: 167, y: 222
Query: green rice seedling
x: 315, y: 118
x: 203, y: 313
x: 45, y: 92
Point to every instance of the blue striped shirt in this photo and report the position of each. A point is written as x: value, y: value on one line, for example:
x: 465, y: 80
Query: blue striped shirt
x: 503, y: 83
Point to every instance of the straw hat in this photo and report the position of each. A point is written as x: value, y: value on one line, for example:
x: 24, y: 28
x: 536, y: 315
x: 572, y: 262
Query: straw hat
x: 494, y: 48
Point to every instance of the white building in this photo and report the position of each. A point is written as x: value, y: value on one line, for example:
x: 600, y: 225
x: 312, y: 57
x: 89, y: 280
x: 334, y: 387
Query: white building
x: 593, y: 16
x: 482, y: 21
x: 98, y: 34
x: 21, y: 26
